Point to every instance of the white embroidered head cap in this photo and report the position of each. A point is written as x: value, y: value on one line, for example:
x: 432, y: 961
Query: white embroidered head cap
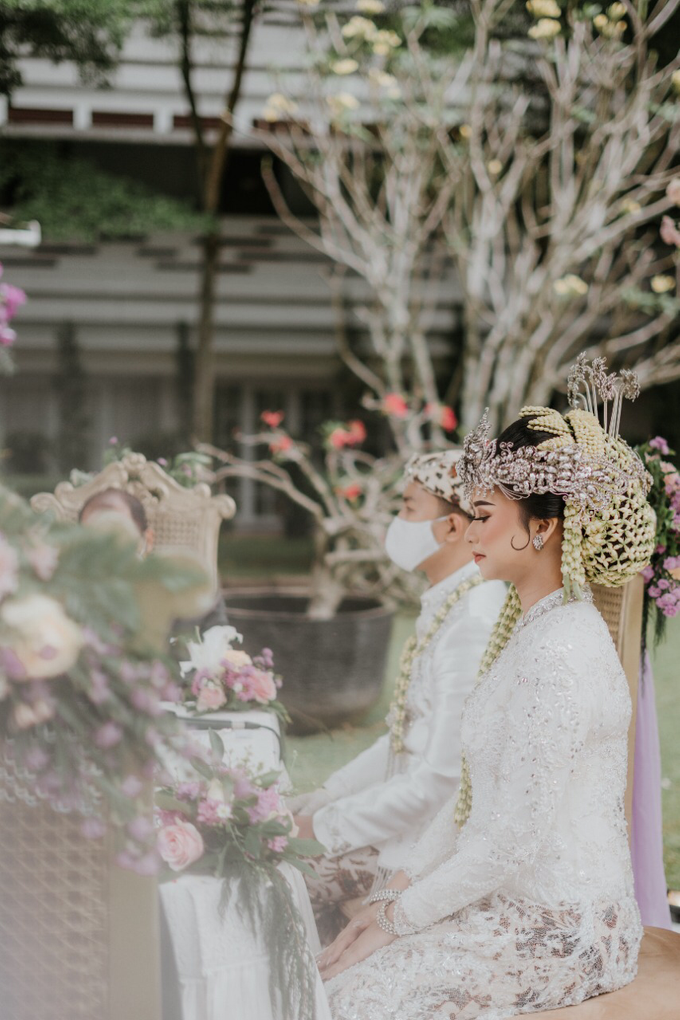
x: 438, y: 474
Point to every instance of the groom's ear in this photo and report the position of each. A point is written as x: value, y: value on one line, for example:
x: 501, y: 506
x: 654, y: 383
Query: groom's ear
x: 458, y: 525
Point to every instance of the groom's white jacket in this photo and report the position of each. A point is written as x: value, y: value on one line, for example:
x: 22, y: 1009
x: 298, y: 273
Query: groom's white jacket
x: 370, y: 807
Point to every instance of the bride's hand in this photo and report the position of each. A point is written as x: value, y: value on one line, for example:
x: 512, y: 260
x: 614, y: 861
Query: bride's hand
x: 369, y: 941
x: 347, y: 936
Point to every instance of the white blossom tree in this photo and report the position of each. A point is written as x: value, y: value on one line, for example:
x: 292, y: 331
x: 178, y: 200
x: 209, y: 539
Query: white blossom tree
x: 541, y: 165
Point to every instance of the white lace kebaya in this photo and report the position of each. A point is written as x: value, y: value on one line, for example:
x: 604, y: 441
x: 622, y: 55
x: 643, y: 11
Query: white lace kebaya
x: 530, y: 906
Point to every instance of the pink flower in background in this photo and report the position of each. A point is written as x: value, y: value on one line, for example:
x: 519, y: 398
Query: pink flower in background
x: 660, y: 444
x: 669, y: 232
x: 272, y: 418
x: 395, y: 405
x: 357, y: 431
x: 141, y: 828
x: 262, y: 686
x: 131, y: 786
x: 180, y: 844
x: 11, y: 300
x: 648, y: 574
x: 93, y: 828
x: 243, y: 787
x: 211, y: 697
x: 444, y: 416
x: 281, y: 445
x: 350, y: 491
x: 670, y: 563
x: 188, y: 791
x: 9, y: 567
x: 338, y: 438
x: 278, y: 844
x: 268, y: 805
x: 108, y: 735
x: 113, y: 441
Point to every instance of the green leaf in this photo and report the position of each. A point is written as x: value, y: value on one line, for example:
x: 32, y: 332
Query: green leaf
x: 202, y: 768
x: 306, y: 847
x: 216, y: 744
x: 252, y: 844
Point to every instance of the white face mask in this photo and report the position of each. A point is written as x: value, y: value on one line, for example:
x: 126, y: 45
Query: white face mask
x: 409, y: 543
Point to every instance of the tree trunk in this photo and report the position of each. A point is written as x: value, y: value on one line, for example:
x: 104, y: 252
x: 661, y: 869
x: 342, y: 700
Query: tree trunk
x: 204, y: 364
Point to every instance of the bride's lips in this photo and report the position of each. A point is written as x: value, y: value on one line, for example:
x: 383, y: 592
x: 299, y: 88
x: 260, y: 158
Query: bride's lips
x: 477, y: 557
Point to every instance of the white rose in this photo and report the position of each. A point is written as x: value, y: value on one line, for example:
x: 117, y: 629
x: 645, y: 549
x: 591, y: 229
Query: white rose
x: 45, y: 641
x: 210, y: 651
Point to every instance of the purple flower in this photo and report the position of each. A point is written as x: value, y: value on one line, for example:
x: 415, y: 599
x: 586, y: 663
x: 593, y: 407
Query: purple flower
x: 278, y: 844
x: 648, y: 574
x: 99, y: 692
x: 141, y: 828
x: 93, y: 828
x: 268, y: 805
x: 108, y: 735
x: 188, y: 791
x: 113, y: 441
x: 131, y: 786
x: 663, y: 584
x: 35, y: 759
x: 146, y: 701
x: 671, y: 563
x: 660, y: 444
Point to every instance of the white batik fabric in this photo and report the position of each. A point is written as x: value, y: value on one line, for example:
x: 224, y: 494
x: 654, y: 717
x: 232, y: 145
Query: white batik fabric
x: 387, y: 801
x: 531, y: 906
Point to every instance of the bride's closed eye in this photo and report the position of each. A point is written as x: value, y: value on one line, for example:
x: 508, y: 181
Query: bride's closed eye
x: 480, y: 520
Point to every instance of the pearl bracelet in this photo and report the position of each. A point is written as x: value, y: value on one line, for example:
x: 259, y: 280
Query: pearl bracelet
x: 384, y: 922
x: 384, y: 894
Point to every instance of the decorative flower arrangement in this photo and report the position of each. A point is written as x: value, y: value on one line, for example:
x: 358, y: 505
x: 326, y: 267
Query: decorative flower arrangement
x: 236, y: 827
x: 187, y: 469
x: 662, y: 588
x: 81, y: 719
x: 224, y: 678
x: 11, y: 299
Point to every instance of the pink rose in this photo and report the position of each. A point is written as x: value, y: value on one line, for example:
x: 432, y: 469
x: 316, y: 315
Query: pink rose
x: 180, y: 845
x: 262, y: 686
x: 210, y: 698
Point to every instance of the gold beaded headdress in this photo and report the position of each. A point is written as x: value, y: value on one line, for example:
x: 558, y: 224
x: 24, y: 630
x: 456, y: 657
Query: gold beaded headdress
x: 608, y: 523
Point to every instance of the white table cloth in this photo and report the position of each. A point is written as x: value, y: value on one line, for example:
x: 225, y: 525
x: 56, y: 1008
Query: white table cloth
x: 222, y: 970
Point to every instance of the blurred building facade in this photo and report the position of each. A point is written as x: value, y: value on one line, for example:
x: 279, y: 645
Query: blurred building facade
x: 131, y: 307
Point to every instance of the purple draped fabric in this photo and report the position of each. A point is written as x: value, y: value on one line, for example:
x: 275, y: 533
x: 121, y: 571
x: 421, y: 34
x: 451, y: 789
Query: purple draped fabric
x: 646, y: 836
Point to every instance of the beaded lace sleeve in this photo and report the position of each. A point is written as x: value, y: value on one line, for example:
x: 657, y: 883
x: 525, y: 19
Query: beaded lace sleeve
x: 541, y: 731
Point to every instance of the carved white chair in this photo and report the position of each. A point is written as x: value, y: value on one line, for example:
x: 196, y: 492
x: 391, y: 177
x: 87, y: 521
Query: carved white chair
x: 79, y: 937
x: 655, y: 992
x: 181, y: 518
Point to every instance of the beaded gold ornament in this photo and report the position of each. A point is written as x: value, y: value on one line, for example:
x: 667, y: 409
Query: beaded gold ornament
x: 412, y: 649
x: 609, y: 526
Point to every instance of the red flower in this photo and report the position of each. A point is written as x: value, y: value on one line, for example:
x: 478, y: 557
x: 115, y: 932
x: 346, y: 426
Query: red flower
x: 350, y: 491
x: 281, y: 444
x: 338, y: 438
x: 272, y: 418
x: 445, y: 416
x: 395, y: 405
x: 447, y: 419
x: 357, y: 431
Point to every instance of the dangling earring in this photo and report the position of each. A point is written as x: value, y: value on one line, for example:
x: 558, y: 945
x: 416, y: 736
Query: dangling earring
x: 538, y: 542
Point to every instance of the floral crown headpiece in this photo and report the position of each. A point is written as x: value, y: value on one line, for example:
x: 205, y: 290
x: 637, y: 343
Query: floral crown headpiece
x: 585, y: 462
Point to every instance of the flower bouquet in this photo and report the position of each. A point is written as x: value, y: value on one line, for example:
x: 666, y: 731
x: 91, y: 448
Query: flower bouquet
x: 223, y: 678
x: 235, y: 826
x: 662, y: 587
x: 81, y: 685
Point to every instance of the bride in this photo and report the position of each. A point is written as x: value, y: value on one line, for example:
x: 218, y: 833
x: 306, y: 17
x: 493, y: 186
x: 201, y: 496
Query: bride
x: 527, y: 903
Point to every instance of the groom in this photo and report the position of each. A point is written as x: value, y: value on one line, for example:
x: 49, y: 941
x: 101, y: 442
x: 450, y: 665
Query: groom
x: 368, y: 813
